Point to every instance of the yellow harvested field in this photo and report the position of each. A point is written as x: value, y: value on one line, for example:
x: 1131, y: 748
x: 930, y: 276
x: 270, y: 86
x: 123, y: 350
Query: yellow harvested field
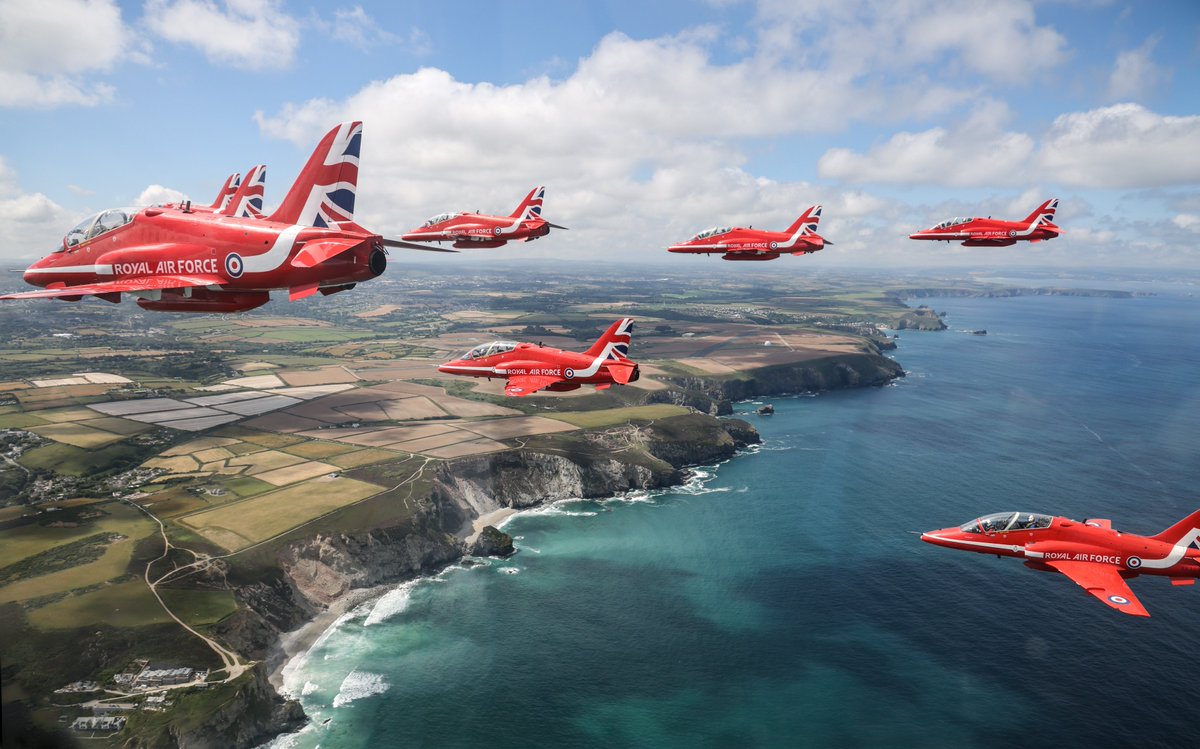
x: 211, y: 454
x: 426, y: 444
x: 412, y: 409
x: 265, y: 460
x: 363, y: 412
x: 522, y: 426
x: 68, y: 415
x: 392, y: 435
x: 176, y: 464
x: 317, y: 450
x: 380, y: 311
x: 240, y: 524
x: 7, y: 387
x: 320, y: 376
x: 364, y: 457
x: 79, y: 436
x: 470, y: 447
x: 204, y: 443
x: 464, y: 408
x: 296, y: 473
x: 271, y: 440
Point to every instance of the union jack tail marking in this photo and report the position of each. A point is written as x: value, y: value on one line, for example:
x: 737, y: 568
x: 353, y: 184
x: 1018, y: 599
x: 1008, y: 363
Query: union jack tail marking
x: 324, y: 192
x: 226, y: 193
x: 1044, y: 213
x: 807, y: 223
x: 531, y: 207
x: 614, y: 344
x: 247, y: 202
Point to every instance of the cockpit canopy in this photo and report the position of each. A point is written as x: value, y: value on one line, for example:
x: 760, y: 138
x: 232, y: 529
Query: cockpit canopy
x: 1008, y: 521
x: 490, y: 349
x: 952, y: 222
x: 100, y: 223
x: 440, y: 218
x: 714, y: 231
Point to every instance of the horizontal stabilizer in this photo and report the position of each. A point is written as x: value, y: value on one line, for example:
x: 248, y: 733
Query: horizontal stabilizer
x: 315, y: 253
x: 621, y: 371
x: 556, y: 226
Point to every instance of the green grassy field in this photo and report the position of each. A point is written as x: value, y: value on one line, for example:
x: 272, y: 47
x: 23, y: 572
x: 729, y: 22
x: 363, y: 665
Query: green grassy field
x: 199, y: 607
x: 111, y: 564
x: 240, y: 524
x: 76, y: 461
x: 318, y: 450
x: 129, y: 604
x: 612, y: 416
x: 27, y: 540
x: 20, y: 421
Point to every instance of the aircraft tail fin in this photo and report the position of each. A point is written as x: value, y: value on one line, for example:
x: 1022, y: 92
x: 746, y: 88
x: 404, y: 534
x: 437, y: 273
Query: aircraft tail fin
x: 1189, y: 526
x: 247, y: 202
x: 324, y: 192
x: 1044, y: 213
x: 227, y: 191
x: 808, y: 222
x: 531, y: 206
x: 614, y: 344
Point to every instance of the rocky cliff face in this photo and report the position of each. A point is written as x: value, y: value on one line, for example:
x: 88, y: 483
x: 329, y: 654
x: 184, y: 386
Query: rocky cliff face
x: 838, y: 372
x: 309, y: 575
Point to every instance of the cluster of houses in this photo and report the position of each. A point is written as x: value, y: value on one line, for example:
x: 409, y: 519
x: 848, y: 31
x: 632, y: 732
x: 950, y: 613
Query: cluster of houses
x: 107, y: 717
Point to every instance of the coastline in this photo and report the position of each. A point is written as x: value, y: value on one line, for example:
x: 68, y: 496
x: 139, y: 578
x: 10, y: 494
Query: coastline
x: 294, y: 647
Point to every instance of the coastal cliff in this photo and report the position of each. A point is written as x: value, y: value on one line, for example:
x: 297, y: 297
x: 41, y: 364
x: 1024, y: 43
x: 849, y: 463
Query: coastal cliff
x: 838, y: 372
x: 327, y: 572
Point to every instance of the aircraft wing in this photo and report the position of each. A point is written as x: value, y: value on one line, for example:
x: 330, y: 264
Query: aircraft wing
x: 1104, y: 582
x: 522, y: 385
x: 121, y: 285
x: 698, y: 248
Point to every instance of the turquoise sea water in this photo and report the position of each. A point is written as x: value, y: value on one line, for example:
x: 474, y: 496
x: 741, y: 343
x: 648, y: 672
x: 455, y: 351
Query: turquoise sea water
x: 781, y: 600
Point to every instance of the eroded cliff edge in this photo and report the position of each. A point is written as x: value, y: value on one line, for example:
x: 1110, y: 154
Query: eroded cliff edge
x: 302, y: 578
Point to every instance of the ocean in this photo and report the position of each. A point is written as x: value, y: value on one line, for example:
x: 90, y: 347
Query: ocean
x: 781, y: 599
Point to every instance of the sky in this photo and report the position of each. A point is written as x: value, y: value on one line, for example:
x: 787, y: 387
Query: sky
x: 646, y: 121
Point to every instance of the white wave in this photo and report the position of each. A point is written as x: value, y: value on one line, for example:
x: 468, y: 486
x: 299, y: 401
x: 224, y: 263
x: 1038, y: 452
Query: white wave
x: 359, y: 684
x: 391, y: 603
x: 309, y: 688
x: 510, y: 570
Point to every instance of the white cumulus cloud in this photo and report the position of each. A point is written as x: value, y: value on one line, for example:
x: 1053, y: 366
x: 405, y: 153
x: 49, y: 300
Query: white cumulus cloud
x: 1125, y: 145
x: 48, y: 48
x: 248, y: 34
x: 33, y: 222
x: 1135, y: 74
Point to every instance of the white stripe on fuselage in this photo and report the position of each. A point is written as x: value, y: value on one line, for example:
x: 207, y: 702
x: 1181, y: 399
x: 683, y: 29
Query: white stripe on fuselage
x: 1178, y: 551
x: 99, y: 270
x: 275, y: 257
x: 1006, y: 547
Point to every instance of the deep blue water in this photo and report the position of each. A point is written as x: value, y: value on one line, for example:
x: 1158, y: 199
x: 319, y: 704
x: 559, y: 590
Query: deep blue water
x: 784, y: 601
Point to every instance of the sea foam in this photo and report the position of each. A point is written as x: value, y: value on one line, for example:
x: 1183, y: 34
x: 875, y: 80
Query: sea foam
x: 357, y: 685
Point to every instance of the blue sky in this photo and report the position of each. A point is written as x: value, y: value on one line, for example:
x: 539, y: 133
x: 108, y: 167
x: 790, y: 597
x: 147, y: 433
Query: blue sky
x: 647, y: 121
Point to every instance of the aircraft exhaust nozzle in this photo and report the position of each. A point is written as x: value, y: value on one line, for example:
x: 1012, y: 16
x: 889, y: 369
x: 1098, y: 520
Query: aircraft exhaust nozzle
x: 636, y: 373
x: 377, y: 263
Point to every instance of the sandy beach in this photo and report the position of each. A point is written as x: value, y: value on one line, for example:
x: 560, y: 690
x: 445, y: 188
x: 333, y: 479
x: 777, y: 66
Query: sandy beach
x: 492, y: 518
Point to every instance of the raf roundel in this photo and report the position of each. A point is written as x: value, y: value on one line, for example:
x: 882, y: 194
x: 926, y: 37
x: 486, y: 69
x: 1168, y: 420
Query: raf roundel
x: 569, y: 373
x: 774, y: 245
x: 497, y: 231
x: 1119, y: 600
x: 1133, y: 562
x: 233, y: 265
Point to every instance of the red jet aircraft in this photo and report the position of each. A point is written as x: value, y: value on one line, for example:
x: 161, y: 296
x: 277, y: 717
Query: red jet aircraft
x: 530, y: 368
x: 990, y: 232
x: 180, y: 259
x: 1096, y: 557
x: 735, y: 243
x: 477, y: 230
